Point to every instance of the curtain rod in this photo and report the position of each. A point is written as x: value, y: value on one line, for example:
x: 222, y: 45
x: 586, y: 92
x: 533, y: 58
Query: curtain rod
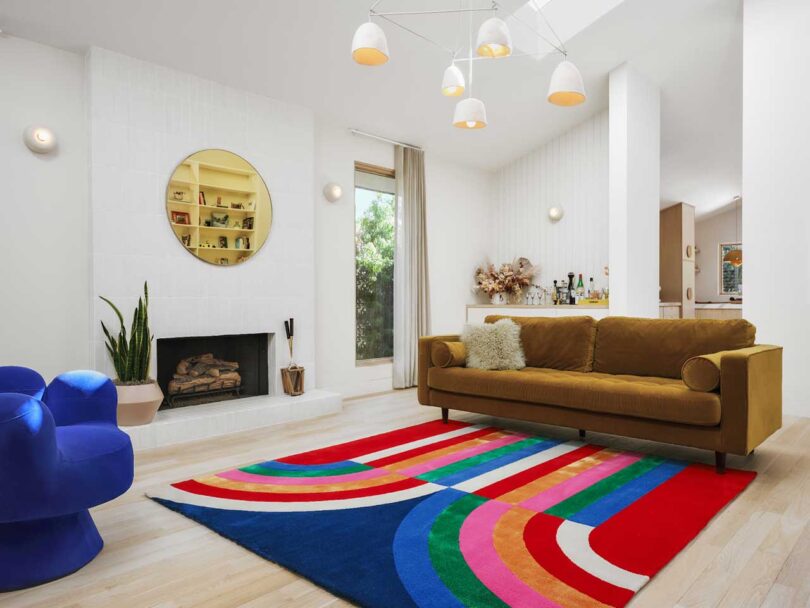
x: 385, y: 139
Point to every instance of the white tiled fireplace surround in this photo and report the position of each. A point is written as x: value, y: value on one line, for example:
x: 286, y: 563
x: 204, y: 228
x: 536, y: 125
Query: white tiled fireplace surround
x: 144, y: 120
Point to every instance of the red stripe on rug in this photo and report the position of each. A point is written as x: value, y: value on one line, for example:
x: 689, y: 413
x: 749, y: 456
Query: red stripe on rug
x: 540, y: 536
x: 195, y: 487
x: 648, y: 533
x: 375, y: 443
x: 431, y: 447
x: 499, y: 488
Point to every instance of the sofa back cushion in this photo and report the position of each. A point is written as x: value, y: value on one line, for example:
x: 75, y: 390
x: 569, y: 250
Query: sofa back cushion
x: 660, y: 347
x: 564, y: 343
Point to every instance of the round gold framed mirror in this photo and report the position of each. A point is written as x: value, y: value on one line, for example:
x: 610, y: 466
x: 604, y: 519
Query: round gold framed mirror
x: 219, y: 207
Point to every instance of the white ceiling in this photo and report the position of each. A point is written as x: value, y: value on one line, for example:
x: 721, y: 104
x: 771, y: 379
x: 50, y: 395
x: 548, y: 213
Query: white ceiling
x: 300, y: 52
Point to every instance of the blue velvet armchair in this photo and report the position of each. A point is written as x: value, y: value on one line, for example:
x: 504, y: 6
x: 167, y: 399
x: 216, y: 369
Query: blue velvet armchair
x: 61, y: 452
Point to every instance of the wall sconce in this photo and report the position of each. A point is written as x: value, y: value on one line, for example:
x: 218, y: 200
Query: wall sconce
x: 332, y: 192
x: 555, y: 214
x: 40, y: 140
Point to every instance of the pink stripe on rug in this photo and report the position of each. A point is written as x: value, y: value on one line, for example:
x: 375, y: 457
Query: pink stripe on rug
x: 442, y: 461
x: 237, y: 475
x: 478, y: 548
x: 569, y: 487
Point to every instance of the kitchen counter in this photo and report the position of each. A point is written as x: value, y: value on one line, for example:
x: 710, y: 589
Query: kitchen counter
x: 718, y: 306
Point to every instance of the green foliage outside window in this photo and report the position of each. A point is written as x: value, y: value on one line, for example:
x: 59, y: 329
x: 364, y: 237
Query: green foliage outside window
x: 374, y: 278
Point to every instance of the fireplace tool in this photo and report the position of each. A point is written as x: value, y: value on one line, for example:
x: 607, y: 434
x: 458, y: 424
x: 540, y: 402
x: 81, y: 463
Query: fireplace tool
x: 292, y: 376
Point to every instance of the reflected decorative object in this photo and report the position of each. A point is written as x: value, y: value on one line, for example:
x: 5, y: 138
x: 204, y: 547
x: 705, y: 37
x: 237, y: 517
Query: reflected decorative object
x: 369, y: 45
x: 332, y: 192
x: 39, y: 139
x: 494, y: 39
x: 233, y: 203
x: 566, y: 87
x: 453, y: 81
x: 555, y: 214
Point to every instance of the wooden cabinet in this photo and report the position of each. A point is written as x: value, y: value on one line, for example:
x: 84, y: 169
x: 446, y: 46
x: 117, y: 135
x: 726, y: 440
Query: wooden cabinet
x: 677, y: 257
x: 670, y: 311
x: 719, y: 313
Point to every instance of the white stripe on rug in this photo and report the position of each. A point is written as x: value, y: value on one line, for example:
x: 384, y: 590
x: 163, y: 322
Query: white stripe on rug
x: 398, y: 449
x: 476, y: 483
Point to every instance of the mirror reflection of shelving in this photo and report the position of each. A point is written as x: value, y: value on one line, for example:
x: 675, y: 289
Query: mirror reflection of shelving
x: 219, y: 207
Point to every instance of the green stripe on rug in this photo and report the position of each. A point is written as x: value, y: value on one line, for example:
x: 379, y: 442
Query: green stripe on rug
x: 258, y: 469
x: 582, y: 499
x: 478, y: 459
x: 449, y: 562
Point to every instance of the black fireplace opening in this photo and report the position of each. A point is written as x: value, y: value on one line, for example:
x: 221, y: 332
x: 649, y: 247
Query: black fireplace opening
x: 204, y: 369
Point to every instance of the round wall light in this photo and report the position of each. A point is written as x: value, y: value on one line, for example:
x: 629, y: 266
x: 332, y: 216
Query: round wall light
x: 332, y: 192
x: 555, y: 214
x: 39, y: 139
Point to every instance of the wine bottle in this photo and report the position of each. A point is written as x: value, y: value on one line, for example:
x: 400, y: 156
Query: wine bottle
x: 591, y: 289
x: 580, y: 287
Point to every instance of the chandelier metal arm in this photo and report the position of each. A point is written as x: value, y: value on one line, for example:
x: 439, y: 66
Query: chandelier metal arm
x: 559, y: 49
x: 436, y: 12
x: 413, y: 32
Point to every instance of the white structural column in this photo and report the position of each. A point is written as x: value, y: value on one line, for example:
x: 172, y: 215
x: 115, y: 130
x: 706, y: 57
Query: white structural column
x: 634, y: 186
x: 776, y: 159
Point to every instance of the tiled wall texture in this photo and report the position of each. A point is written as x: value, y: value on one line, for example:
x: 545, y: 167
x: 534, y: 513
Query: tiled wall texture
x: 144, y: 120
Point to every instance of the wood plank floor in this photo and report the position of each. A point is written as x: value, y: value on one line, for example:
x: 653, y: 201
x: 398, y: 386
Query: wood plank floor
x: 755, y: 553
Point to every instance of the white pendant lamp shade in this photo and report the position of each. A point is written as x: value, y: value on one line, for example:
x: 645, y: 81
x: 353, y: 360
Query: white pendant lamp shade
x: 453, y: 82
x: 470, y: 114
x: 494, y: 39
x: 369, y: 45
x: 566, y: 87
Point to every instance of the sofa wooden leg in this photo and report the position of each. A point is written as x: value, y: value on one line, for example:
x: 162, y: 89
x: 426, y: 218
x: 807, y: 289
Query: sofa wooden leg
x: 720, y: 462
x: 582, y: 433
x: 445, y: 415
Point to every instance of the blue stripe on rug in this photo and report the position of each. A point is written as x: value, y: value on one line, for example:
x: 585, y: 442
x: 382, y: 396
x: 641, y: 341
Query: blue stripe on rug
x: 490, y: 465
x: 412, y: 552
x: 284, y: 466
x: 606, y: 507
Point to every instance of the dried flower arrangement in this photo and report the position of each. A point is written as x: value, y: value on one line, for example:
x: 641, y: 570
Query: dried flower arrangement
x: 508, y: 279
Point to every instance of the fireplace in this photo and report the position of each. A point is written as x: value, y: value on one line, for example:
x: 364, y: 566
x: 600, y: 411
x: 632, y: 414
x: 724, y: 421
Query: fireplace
x: 203, y: 369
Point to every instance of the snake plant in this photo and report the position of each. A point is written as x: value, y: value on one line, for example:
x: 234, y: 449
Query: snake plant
x: 130, y: 356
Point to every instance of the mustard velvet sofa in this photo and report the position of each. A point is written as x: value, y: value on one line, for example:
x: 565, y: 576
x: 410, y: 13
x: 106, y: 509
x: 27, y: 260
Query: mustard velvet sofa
x: 623, y: 376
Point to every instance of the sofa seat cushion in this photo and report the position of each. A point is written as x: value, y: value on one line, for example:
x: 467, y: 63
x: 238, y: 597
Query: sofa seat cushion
x: 664, y: 399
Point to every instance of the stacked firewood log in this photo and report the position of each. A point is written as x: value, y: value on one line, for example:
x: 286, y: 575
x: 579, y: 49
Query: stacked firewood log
x: 203, y: 373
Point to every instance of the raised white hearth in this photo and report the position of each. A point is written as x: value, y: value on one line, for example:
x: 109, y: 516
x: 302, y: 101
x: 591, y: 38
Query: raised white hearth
x: 184, y: 424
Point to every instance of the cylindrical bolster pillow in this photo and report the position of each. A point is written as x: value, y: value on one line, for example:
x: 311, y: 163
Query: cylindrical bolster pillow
x: 702, y: 373
x: 448, y: 354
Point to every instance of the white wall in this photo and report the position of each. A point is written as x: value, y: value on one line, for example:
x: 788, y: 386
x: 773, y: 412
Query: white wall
x: 710, y: 231
x: 44, y: 247
x: 635, y: 185
x: 458, y: 201
x: 776, y: 157
x: 571, y: 172
x: 336, y: 151
x: 459, y: 213
x: 145, y: 119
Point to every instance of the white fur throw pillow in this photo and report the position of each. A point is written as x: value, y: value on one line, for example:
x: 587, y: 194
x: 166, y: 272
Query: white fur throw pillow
x: 494, y: 345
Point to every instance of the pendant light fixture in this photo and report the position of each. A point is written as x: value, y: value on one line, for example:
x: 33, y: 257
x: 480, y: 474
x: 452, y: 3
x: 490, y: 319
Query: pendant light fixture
x: 494, y: 39
x: 566, y: 87
x: 369, y: 45
x: 453, y: 81
x: 470, y: 113
x: 734, y: 257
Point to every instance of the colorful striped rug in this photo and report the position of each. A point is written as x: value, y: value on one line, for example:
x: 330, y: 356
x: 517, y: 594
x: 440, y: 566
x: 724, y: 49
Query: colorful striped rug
x: 463, y: 515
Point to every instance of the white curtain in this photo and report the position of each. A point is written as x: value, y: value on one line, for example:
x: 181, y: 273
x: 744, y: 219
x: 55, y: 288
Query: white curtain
x: 411, y: 297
